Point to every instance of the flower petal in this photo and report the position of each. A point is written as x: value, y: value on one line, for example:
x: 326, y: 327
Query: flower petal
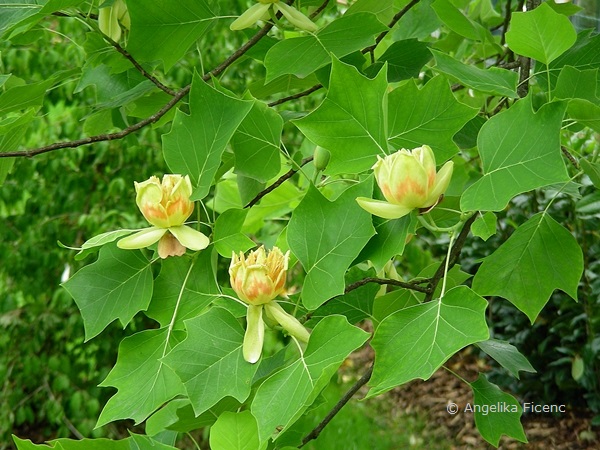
x: 190, y: 238
x: 442, y: 181
x: 295, y: 17
x: 250, y: 16
x: 142, y: 238
x: 383, y: 209
x: 255, y: 334
x: 287, y: 321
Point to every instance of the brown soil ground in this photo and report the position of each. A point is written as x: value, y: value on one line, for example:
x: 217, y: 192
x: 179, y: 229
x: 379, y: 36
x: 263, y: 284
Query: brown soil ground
x: 570, y: 431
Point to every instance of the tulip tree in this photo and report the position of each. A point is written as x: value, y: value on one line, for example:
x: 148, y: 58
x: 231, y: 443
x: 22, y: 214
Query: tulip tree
x: 496, y: 94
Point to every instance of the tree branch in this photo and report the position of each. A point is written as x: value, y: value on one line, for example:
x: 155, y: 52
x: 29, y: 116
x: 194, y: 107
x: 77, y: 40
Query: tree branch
x: 286, y: 176
x: 410, y: 285
x: 138, y: 66
x: 149, y: 120
x: 454, y: 254
x: 309, y: 91
x: 314, y: 434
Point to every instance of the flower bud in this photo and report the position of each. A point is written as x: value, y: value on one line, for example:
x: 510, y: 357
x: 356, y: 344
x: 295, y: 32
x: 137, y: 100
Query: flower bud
x: 109, y: 18
x: 321, y: 158
x: 165, y: 204
x: 260, y: 277
x: 408, y: 180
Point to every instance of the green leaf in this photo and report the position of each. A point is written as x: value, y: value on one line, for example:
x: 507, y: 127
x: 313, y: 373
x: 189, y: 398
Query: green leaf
x: 384, y: 9
x: 577, y: 368
x: 541, y: 34
x: 520, y: 151
x: 178, y: 415
x: 117, y: 286
x: 539, y: 257
x: 592, y: 170
x: 144, y: 383
x: 228, y: 237
x: 416, y: 341
x: 283, y: 397
x: 196, y: 142
x: 404, y: 59
x: 14, y: 11
x: 485, y: 226
x: 338, y: 231
x: 302, y: 56
x: 69, y: 444
x: 581, y: 56
x: 585, y: 113
x: 392, y: 302
x: 389, y: 241
x: 12, y: 132
x: 165, y: 30
x: 256, y: 143
x: 418, y: 23
x: 492, y: 81
x: 507, y: 356
x: 92, y: 244
x: 184, y: 288
x: 210, y: 362
x: 430, y: 115
x: 235, y: 431
x: 350, y: 123
x: 22, y: 97
x: 496, y: 412
x: 456, y: 21
x: 575, y: 83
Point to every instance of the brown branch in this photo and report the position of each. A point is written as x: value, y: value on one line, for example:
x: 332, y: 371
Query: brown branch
x: 149, y: 120
x: 454, y: 254
x: 507, y: 16
x: 138, y: 66
x: 309, y: 91
x: 318, y: 11
x: 525, y: 63
x: 314, y: 434
x: 411, y: 285
x: 286, y: 176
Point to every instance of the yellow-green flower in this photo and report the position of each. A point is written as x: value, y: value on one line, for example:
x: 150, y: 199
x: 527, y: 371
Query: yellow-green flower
x: 166, y: 205
x: 260, y: 11
x: 110, y: 17
x: 257, y: 279
x: 408, y: 180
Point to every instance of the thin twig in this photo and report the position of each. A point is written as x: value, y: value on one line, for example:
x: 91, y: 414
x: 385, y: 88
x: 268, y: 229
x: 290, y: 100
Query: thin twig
x: 454, y: 254
x: 309, y: 91
x: 286, y: 176
x: 138, y: 66
x: 507, y: 16
x: 314, y: 434
x: 411, y: 285
x: 317, y: 11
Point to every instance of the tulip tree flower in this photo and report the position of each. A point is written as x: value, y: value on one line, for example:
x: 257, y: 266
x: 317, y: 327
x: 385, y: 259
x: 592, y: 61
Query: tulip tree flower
x: 260, y: 11
x: 408, y: 181
x: 258, y: 279
x: 166, y: 205
x: 110, y: 17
